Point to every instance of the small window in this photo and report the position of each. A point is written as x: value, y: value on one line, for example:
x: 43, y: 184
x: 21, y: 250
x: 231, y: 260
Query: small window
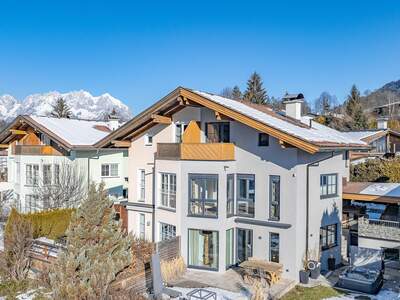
x: 56, y: 174
x: 328, y: 185
x: 148, y: 140
x: 230, y: 195
x: 274, y: 197
x: 168, y: 190
x: 46, y: 174
x: 218, y: 132
x: 274, y: 247
x: 167, y: 231
x: 263, y: 139
x: 142, y: 227
x: 141, y: 184
x: 109, y: 170
x: 328, y: 236
x: 32, y: 174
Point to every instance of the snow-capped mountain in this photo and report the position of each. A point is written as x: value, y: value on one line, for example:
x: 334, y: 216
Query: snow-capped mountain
x: 83, y: 105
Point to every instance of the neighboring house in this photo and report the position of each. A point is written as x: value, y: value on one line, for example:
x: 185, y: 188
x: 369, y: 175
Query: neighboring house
x: 39, y: 147
x: 235, y: 180
x: 371, y: 216
x: 382, y: 141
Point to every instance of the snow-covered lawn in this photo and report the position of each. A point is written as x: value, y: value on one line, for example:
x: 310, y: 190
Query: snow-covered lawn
x: 382, y: 295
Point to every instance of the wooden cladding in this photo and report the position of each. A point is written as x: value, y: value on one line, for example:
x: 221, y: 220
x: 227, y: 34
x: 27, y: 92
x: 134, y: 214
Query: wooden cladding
x: 192, y: 133
x: 196, y: 151
x: 34, y: 150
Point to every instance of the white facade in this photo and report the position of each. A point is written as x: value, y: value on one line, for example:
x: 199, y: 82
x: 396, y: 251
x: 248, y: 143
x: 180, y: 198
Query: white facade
x: 258, y: 162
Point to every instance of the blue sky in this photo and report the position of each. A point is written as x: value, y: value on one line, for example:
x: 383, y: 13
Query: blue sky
x: 139, y: 51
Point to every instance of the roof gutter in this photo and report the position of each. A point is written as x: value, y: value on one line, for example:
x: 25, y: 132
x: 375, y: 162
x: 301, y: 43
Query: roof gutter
x: 312, y: 164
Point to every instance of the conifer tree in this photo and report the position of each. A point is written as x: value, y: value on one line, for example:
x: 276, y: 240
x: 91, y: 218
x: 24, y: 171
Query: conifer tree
x: 61, y: 109
x: 236, y: 93
x: 255, y: 91
x: 97, y: 249
x: 354, y: 111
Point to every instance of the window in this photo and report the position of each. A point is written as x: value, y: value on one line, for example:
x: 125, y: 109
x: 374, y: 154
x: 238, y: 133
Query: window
x: 179, y: 131
x: 203, y: 195
x: 218, y: 132
x: 167, y: 231
x: 203, y: 249
x: 263, y: 139
x: 31, y: 203
x: 32, y: 174
x: 109, y: 170
x: 142, y: 226
x: 244, y: 244
x: 328, y: 236
x: 245, y: 195
x: 168, y: 190
x: 229, y: 258
x: 230, y: 195
x: 148, y: 139
x: 46, y: 174
x: 274, y: 197
x: 56, y: 174
x: 274, y: 247
x: 328, y: 185
x: 141, y: 184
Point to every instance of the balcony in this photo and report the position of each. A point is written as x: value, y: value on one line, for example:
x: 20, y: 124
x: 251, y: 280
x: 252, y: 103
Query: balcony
x: 196, y: 151
x: 382, y: 229
x: 34, y: 150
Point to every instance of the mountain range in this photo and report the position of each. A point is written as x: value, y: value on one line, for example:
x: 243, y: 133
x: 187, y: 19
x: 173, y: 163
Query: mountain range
x: 83, y: 105
x: 388, y: 93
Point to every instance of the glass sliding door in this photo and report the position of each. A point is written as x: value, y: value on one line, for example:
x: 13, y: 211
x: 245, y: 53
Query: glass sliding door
x: 244, y: 244
x: 203, y: 249
x: 229, y: 255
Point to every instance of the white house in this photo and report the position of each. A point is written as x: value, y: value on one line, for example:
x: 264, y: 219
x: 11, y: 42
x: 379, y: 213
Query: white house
x: 235, y: 180
x: 39, y: 147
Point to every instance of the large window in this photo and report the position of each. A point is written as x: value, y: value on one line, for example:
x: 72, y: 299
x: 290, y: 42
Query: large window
x: 56, y: 174
x: 244, y: 244
x: 109, y: 170
x: 274, y: 197
x: 245, y: 195
x: 141, y: 184
x: 218, y: 132
x: 168, y: 190
x: 167, y: 231
x: 274, y: 247
x: 31, y: 203
x: 328, y: 236
x: 229, y: 252
x: 142, y: 226
x: 203, y: 195
x: 328, y: 185
x: 230, y: 195
x: 203, y: 249
x: 46, y: 174
x: 32, y: 174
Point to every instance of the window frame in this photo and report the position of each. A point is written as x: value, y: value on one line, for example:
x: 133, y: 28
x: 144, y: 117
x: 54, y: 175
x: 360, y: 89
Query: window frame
x: 148, y: 139
x: 202, y: 198
x: 110, y: 170
x: 272, y: 178
x: 171, y: 231
x: 188, y: 250
x: 230, y: 202
x: 141, y: 183
x: 34, y: 175
x: 248, y: 200
x: 142, y: 235
x: 170, y: 192
x: 327, y: 185
x: 221, y: 132
x: 260, y: 144
x: 274, y: 248
x: 48, y: 178
x: 326, y: 234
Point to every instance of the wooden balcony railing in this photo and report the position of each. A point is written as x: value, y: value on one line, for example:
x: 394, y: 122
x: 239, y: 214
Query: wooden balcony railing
x: 196, y: 151
x: 34, y: 150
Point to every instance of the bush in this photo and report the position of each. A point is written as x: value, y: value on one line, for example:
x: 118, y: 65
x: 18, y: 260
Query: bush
x: 51, y: 224
x: 172, y: 269
x: 376, y: 170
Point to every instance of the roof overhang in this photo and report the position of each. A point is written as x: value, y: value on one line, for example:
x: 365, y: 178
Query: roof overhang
x: 371, y: 198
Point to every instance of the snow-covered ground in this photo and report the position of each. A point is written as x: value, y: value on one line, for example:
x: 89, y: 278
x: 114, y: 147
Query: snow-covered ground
x: 382, y: 295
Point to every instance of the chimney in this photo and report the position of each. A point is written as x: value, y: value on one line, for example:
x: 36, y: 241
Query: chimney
x: 382, y: 123
x: 113, y: 120
x: 293, y: 104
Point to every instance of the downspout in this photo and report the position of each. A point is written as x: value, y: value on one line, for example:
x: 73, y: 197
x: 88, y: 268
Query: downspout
x: 312, y: 164
x: 153, y: 231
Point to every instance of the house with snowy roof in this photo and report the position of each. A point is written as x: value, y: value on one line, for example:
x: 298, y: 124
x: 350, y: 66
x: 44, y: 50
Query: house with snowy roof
x: 235, y: 180
x: 40, y: 147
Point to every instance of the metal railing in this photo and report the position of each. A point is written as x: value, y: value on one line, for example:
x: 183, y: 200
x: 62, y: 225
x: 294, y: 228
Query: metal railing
x: 385, y: 223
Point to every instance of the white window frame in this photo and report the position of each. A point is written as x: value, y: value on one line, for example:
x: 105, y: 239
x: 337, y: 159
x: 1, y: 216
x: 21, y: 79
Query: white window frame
x: 141, y: 184
x: 168, y: 190
x: 170, y: 232
x: 180, y: 128
x: 110, y: 170
x: 142, y: 226
x: 33, y: 179
x: 47, y: 176
x: 148, y: 139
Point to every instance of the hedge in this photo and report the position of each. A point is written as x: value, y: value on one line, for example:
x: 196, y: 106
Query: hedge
x: 51, y: 224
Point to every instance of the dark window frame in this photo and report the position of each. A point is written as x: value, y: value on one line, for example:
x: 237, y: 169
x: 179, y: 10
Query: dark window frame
x: 237, y: 241
x: 321, y: 184
x: 230, y: 202
x: 221, y: 132
x: 203, y: 200
x: 277, y: 203
x: 238, y: 196
x: 262, y: 143
x: 273, y: 248
x: 188, y: 251
x: 324, y: 238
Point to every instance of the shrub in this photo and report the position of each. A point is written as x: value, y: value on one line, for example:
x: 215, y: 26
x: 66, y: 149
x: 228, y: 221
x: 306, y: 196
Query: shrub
x: 376, y: 170
x: 172, y: 269
x: 51, y: 224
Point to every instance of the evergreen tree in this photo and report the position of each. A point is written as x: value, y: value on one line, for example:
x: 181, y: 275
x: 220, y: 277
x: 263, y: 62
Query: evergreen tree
x: 354, y: 111
x: 97, y: 249
x: 61, y: 109
x: 236, y: 93
x: 255, y: 91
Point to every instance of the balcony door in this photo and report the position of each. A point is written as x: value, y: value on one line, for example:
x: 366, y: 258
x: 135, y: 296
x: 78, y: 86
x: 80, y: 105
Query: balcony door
x: 218, y: 132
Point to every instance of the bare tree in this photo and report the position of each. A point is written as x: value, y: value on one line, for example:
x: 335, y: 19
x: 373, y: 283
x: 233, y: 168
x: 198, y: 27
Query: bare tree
x: 63, y: 187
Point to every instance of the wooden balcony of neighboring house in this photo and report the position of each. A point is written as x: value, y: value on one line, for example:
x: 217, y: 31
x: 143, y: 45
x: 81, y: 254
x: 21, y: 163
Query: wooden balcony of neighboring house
x: 34, y: 150
x: 382, y: 229
x: 196, y: 151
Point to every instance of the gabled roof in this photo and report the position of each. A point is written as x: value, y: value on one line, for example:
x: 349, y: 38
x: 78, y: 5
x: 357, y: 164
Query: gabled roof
x: 297, y: 133
x: 69, y: 133
x: 369, y: 136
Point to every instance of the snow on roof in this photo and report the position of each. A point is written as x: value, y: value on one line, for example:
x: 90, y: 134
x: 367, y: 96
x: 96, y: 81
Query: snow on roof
x: 74, y: 131
x: 382, y: 189
x: 317, y: 133
x: 359, y: 135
